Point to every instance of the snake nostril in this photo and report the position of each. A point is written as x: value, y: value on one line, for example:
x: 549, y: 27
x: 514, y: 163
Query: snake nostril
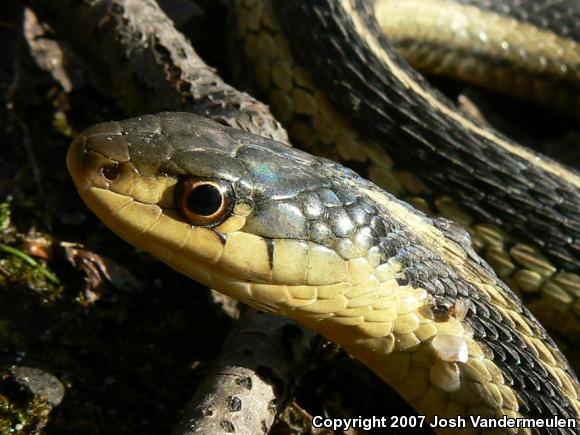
x: 110, y: 172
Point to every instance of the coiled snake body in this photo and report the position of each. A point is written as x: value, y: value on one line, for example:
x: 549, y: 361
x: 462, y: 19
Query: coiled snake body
x: 358, y: 103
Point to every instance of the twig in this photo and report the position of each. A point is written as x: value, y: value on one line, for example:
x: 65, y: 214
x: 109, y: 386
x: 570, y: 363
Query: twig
x: 148, y: 66
x: 261, y: 358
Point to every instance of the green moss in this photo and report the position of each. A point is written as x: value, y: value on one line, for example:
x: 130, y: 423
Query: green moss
x: 18, y: 415
x: 21, y: 270
x: 4, y: 216
x: 11, y: 418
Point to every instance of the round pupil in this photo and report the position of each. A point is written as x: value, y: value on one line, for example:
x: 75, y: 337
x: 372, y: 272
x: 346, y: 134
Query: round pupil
x: 204, y: 200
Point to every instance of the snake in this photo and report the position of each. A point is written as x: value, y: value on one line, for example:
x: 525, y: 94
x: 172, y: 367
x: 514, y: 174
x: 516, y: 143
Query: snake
x: 306, y: 237
x: 362, y: 105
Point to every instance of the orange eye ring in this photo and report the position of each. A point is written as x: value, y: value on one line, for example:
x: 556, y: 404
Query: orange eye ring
x: 204, y: 202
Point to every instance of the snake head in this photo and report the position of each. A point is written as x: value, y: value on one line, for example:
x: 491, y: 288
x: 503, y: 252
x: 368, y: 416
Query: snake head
x: 235, y: 211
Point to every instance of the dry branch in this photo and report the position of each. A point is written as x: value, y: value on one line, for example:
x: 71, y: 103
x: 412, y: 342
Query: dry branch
x: 261, y: 359
x: 148, y: 66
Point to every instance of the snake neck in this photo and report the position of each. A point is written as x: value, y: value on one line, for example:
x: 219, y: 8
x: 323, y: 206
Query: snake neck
x: 479, y: 197
x: 389, y: 100
x: 407, y: 295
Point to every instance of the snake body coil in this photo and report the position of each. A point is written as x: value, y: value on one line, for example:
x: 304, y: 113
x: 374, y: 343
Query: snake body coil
x: 358, y: 103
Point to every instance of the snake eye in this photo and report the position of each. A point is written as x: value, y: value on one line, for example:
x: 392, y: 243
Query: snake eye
x: 111, y: 172
x: 203, y: 201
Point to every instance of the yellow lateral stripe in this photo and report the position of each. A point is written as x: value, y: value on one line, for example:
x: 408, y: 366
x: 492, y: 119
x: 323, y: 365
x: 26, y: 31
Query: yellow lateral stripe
x: 430, y: 100
x: 470, y: 29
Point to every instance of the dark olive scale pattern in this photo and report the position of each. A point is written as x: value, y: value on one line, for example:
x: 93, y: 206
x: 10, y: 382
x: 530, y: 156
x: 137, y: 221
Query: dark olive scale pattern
x: 311, y: 199
x: 496, y: 186
x: 561, y: 17
x: 324, y: 217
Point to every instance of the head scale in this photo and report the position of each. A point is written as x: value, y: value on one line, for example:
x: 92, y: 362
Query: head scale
x: 232, y: 210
